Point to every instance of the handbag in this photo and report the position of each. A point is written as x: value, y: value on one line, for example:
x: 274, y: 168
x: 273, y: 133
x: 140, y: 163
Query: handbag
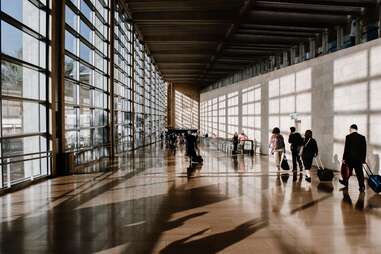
x: 284, y: 164
x: 346, y: 173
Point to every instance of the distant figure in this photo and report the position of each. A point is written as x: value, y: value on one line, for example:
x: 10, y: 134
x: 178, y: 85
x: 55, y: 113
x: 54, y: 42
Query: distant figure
x: 191, y: 146
x: 242, y: 137
x: 277, y: 146
x: 355, y: 155
x: 296, y: 142
x: 310, y: 150
x: 235, y: 142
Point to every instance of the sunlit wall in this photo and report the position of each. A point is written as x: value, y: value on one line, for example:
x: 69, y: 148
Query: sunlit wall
x: 186, y: 111
x: 326, y: 95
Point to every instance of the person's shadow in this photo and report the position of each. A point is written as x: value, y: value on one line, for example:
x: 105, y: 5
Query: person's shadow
x: 179, y: 222
x: 353, y: 216
x: 214, y: 243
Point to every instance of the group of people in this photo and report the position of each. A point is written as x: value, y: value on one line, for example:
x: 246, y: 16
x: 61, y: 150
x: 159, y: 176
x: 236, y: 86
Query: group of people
x: 238, y: 140
x: 305, y: 149
x: 190, y: 140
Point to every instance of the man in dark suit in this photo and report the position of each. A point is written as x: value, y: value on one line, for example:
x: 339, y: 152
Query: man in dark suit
x: 296, y: 142
x: 355, y: 155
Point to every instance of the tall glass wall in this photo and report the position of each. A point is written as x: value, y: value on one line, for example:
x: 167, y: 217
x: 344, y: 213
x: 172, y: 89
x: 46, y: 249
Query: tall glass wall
x: 139, y: 93
x: 123, y: 82
x: 86, y: 79
x: 25, y: 91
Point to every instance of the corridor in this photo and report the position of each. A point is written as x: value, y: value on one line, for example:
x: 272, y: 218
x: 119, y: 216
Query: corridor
x: 149, y: 205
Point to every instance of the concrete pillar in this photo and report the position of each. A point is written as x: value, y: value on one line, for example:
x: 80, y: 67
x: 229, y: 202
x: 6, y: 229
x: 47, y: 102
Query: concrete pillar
x: 285, y: 59
x: 278, y: 61
x: 264, y: 118
x: 302, y: 51
x: 293, y: 55
x: 312, y: 51
x: 339, y: 37
x: 324, y: 42
x: 379, y: 19
x: 359, y: 23
x: 272, y: 63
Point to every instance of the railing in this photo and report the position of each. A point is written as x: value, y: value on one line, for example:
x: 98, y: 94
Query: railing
x: 227, y: 146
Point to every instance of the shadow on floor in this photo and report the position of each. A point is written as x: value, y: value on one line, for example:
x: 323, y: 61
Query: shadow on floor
x: 216, y: 242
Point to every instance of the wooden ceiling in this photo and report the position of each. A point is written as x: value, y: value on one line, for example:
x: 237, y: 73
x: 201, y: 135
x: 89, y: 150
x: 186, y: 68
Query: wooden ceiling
x: 197, y: 42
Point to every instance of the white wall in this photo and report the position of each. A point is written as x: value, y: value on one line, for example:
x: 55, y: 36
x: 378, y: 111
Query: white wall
x: 329, y: 93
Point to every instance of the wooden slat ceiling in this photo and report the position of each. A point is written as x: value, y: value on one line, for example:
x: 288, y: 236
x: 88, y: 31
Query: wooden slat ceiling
x: 197, y: 42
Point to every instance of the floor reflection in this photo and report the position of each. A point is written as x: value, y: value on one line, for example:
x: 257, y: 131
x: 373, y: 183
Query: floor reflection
x: 156, y: 203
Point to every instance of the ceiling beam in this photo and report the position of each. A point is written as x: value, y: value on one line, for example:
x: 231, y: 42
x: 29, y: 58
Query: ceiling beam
x: 245, y: 9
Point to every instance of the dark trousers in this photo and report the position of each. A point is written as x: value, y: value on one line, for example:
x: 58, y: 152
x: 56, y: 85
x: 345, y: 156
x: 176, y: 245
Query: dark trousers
x: 296, y: 159
x: 235, y: 147
x: 357, y: 166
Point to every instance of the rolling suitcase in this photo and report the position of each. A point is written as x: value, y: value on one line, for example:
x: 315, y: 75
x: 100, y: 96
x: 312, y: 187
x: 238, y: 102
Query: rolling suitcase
x: 324, y: 174
x: 374, y: 181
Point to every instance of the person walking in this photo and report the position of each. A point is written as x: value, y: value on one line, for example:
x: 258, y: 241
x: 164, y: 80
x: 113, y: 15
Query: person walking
x: 310, y: 150
x: 235, y: 142
x: 355, y: 155
x: 277, y: 146
x: 296, y: 142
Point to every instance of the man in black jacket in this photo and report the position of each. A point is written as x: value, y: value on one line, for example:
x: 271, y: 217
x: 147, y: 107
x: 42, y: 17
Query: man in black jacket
x: 355, y: 155
x: 296, y: 141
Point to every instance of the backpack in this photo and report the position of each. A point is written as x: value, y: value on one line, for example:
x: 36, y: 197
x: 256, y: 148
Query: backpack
x: 279, y: 142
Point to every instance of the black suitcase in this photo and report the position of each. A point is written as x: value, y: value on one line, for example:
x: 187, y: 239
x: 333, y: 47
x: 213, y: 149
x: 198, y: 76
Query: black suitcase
x: 374, y: 181
x: 324, y: 174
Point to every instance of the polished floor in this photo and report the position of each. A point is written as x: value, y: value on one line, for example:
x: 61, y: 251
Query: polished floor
x: 149, y: 205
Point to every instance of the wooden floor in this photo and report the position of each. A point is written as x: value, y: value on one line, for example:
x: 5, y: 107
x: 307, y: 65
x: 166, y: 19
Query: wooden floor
x: 149, y: 205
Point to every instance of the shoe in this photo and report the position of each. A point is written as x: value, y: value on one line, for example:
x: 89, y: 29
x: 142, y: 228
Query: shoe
x: 308, y: 179
x: 362, y: 189
x: 343, y: 183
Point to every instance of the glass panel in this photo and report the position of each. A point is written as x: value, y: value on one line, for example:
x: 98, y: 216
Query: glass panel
x: 14, y: 41
x: 19, y: 117
x: 19, y: 81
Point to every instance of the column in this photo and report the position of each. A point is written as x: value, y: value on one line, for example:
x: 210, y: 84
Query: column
x: 339, y: 37
x: 58, y: 92
x: 324, y: 42
x: 312, y: 51
x: 302, y: 51
x: 293, y: 55
x: 285, y: 59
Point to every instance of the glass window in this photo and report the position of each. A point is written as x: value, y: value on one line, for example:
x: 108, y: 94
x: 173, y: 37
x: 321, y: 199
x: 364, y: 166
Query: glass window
x: 23, y: 96
x: 71, y: 18
x: 13, y: 41
x: 70, y: 42
x: 85, y: 10
x: 19, y: 81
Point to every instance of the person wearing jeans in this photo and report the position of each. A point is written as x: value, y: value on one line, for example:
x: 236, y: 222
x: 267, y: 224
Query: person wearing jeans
x: 277, y: 146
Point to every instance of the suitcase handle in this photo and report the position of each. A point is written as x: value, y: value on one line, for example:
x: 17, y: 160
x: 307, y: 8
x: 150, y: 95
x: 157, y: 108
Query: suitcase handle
x: 367, y: 169
x: 319, y: 163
